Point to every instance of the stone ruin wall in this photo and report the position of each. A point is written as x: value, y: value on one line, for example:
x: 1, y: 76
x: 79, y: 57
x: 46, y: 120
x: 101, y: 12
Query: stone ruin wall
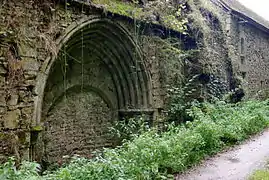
x: 18, y: 79
x: 19, y: 89
x: 254, y: 59
x: 236, y: 50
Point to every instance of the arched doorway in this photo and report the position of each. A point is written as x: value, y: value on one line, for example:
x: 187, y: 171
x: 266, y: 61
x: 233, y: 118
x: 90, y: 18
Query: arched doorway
x: 97, y: 73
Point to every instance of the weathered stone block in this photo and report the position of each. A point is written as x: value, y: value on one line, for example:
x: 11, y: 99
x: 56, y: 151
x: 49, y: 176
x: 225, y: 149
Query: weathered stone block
x: 11, y: 119
x: 13, y: 99
x: 3, y: 71
x: 2, y: 81
x: 26, y: 114
x: 6, y: 146
x: 30, y: 64
x: 2, y: 99
x: 27, y: 51
x: 29, y: 82
x: 25, y: 96
x: 30, y: 75
x: 27, y: 111
x: 2, y: 110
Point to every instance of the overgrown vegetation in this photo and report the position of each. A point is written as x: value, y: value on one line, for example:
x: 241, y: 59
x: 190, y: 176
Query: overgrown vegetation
x: 128, y: 129
x: 167, y: 13
x: 147, y: 153
x: 27, y: 170
x: 154, y: 155
x: 207, y: 26
x: 199, y: 88
x: 261, y: 174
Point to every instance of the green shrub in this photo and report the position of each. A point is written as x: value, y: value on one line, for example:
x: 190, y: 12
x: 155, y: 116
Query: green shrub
x: 127, y: 129
x: 27, y: 170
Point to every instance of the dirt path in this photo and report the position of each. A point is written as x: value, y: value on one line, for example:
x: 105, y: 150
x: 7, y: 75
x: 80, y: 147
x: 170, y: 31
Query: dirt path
x: 236, y: 164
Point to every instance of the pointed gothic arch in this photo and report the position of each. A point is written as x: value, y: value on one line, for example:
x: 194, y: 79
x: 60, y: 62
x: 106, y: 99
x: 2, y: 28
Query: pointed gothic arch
x: 99, y: 57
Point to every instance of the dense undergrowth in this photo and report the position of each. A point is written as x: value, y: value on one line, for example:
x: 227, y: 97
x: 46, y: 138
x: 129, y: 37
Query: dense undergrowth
x: 155, y: 155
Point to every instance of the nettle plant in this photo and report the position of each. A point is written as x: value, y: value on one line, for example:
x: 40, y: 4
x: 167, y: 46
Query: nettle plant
x: 26, y: 170
x: 129, y: 128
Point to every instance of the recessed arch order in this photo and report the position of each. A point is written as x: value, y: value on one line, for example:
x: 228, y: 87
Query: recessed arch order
x: 112, y: 43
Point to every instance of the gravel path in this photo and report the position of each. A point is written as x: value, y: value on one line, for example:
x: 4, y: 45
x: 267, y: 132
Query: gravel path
x: 236, y: 164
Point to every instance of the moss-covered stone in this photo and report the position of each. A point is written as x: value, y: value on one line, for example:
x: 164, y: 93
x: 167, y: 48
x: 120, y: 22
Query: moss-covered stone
x: 118, y: 7
x: 163, y: 13
x: 37, y: 128
x: 11, y: 119
x: 2, y: 135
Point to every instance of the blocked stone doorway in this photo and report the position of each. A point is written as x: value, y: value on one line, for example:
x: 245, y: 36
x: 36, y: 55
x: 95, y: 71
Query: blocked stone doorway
x: 78, y: 124
x: 97, y: 75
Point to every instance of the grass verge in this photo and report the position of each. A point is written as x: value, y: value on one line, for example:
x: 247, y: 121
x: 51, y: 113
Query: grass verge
x: 262, y: 174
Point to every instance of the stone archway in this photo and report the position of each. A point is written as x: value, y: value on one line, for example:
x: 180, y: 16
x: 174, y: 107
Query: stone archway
x: 97, y: 73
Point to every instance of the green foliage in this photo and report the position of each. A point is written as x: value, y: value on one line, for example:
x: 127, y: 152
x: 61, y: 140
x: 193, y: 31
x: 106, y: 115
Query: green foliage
x: 37, y: 128
x: 181, y: 99
x: 260, y: 175
x: 122, y: 8
x: 172, y: 59
x: 154, y: 155
x: 179, y: 104
x: 172, y: 21
x: 128, y: 129
x: 27, y: 170
x: 169, y: 15
x: 199, y: 88
x: 200, y: 16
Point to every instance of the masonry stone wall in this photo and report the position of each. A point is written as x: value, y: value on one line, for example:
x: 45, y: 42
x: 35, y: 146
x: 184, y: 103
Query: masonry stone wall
x: 254, y: 60
x: 233, y: 48
x: 208, y: 27
x: 68, y: 117
x: 67, y: 73
x: 248, y: 52
x: 23, y: 51
x: 77, y: 125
